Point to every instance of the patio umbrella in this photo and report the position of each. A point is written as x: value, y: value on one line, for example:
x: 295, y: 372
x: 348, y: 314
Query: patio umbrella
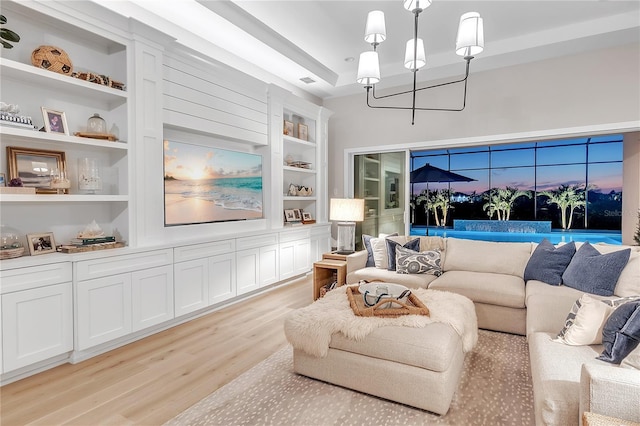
x: 429, y: 173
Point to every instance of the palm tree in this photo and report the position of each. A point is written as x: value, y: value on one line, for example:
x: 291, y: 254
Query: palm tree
x: 442, y: 200
x: 508, y: 196
x: 491, y: 206
x: 568, y: 198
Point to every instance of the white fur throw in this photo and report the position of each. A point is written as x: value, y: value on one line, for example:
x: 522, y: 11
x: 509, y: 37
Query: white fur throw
x: 310, y: 328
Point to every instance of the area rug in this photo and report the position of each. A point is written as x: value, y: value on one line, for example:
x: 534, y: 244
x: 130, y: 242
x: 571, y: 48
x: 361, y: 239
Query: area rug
x: 495, y: 389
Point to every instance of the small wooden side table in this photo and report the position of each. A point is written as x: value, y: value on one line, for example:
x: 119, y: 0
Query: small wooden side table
x: 324, y: 271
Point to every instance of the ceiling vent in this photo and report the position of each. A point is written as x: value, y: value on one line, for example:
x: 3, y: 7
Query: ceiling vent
x: 307, y: 80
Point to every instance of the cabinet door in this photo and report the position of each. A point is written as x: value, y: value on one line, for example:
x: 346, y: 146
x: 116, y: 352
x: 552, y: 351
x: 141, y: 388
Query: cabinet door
x: 287, y: 260
x: 152, y: 296
x: 301, y: 264
x: 222, y: 278
x: 37, y: 324
x: 269, y: 265
x: 248, y: 270
x: 191, y: 280
x: 104, y: 310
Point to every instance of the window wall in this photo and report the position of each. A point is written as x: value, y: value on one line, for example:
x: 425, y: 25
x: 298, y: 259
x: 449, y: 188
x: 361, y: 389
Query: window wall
x: 526, y: 181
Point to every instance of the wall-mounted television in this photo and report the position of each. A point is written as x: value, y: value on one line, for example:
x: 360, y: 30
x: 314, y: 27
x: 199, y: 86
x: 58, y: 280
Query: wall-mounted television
x: 204, y: 184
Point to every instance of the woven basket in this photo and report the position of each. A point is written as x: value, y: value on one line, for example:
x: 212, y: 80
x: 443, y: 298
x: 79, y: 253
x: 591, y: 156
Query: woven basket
x: 53, y: 59
x: 11, y: 253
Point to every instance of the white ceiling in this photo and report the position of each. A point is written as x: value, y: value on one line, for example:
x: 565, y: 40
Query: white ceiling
x: 282, y: 41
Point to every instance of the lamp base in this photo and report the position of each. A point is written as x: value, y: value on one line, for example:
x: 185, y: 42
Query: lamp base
x: 346, y: 237
x: 343, y: 252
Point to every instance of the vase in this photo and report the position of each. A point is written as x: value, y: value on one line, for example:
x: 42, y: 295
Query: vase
x: 89, y: 180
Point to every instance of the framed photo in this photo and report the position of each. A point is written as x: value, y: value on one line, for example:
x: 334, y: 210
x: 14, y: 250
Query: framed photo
x: 41, y: 243
x: 3, y: 180
x: 289, y: 216
x: 34, y: 167
x: 54, y: 121
x: 297, y: 214
x: 288, y: 128
x: 303, y: 132
x: 306, y: 216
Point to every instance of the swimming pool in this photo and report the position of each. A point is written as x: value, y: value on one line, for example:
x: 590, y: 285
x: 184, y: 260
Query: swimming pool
x: 609, y: 237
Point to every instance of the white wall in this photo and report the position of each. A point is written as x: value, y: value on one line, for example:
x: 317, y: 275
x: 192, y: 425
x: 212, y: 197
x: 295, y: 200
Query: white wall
x: 593, y: 90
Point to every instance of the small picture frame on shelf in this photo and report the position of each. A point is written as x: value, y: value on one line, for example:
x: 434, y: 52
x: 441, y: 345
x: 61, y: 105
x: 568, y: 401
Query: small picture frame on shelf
x: 306, y: 216
x: 288, y: 128
x: 3, y: 179
x: 297, y: 213
x: 289, y: 216
x: 54, y: 121
x: 42, y: 243
x: 34, y: 167
x: 303, y: 132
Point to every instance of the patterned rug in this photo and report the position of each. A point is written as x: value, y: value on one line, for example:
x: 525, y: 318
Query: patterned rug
x: 495, y: 389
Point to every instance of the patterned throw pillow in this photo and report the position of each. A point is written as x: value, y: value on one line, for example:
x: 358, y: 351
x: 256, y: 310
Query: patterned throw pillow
x: 586, y: 320
x: 413, y: 262
x: 393, y: 244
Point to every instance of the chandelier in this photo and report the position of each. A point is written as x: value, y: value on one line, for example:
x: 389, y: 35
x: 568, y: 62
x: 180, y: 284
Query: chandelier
x: 469, y: 42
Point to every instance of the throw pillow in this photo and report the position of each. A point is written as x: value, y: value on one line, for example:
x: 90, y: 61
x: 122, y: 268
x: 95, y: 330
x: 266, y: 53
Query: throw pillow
x: 621, y: 333
x: 379, y: 248
x: 586, y: 320
x: 391, y: 250
x: 596, y: 273
x: 366, y: 242
x: 547, y: 263
x: 632, y: 360
x: 412, y: 262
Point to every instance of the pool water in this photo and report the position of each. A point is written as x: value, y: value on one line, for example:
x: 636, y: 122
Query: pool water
x: 555, y: 237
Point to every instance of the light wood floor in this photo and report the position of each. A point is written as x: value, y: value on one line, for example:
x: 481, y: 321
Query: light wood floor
x: 152, y: 380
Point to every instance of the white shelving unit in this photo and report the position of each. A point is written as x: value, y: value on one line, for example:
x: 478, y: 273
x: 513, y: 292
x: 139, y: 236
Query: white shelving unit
x: 30, y: 87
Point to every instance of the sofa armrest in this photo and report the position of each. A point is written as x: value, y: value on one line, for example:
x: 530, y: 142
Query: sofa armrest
x: 357, y: 260
x: 611, y: 391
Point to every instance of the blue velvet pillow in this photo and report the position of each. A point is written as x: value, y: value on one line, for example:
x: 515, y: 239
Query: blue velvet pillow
x: 391, y: 250
x: 366, y: 242
x: 547, y: 263
x: 621, y: 332
x: 595, y: 273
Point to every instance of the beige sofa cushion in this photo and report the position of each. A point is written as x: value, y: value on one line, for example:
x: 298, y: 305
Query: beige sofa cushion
x: 407, y: 280
x: 486, y: 256
x: 548, y: 306
x: 484, y: 287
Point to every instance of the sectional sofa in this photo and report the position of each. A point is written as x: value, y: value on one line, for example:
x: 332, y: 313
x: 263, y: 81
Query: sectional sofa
x: 568, y: 380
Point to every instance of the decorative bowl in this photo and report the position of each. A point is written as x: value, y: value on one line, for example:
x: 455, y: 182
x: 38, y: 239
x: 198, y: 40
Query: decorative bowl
x: 372, y: 293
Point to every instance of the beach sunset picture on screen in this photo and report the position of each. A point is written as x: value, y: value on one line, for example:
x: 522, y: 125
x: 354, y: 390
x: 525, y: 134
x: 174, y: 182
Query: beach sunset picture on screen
x: 205, y: 184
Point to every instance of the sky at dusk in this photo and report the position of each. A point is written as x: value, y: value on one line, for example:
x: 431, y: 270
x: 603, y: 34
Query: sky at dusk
x: 195, y: 162
x: 515, y: 167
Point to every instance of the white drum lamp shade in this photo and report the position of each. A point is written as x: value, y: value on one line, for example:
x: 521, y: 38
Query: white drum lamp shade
x: 470, y: 39
x: 421, y: 59
x: 375, y: 30
x: 346, y: 211
x: 368, y: 68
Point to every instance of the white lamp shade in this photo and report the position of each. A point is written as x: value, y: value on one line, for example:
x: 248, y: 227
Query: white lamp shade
x: 420, y: 60
x: 470, y: 40
x: 346, y: 209
x: 375, y: 30
x: 368, y: 68
x: 413, y: 5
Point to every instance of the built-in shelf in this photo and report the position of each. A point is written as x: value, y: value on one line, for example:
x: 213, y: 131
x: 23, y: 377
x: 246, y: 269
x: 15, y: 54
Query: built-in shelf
x: 26, y: 136
x: 298, y: 198
x: 298, y: 169
x: 61, y: 198
x: 38, y: 77
x: 298, y: 141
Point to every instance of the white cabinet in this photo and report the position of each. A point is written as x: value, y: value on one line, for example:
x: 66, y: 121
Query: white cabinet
x: 37, y: 324
x: 104, y: 310
x: 320, y: 242
x: 295, y: 249
x: 257, y: 262
x: 191, y: 286
x: 151, y: 296
x: 205, y: 274
x: 118, y: 295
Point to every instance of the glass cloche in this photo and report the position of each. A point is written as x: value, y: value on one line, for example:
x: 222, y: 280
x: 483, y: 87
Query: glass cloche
x: 11, y: 242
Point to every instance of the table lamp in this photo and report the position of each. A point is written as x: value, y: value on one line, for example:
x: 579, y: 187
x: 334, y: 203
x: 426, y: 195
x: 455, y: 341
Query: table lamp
x: 346, y: 211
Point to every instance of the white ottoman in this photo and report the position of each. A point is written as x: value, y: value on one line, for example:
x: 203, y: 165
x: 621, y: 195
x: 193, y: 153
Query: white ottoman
x: 420, y: 367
